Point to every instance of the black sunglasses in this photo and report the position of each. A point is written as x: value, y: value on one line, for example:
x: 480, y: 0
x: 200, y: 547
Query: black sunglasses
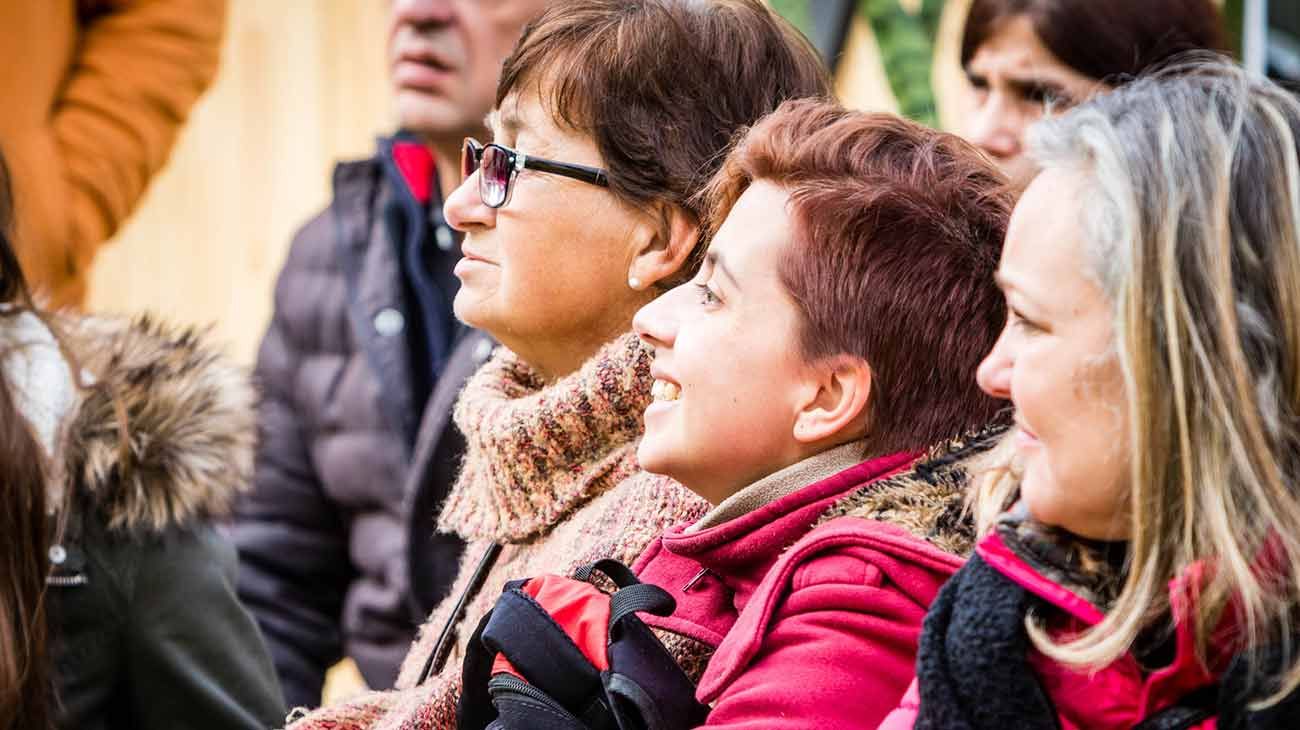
x: 498, y: 165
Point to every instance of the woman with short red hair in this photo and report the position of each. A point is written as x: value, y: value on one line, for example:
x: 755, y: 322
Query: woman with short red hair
x: 822, y: 364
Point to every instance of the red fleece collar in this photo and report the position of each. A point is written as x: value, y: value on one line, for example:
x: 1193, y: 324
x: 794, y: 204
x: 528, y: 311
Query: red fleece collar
x: 740, y: 551
x: 416, y: 163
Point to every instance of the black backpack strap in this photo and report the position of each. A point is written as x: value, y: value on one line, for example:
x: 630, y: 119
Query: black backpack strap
x: 636, y: 599
x: 644, y: 689
x: 443, y: 647
x: 540, y: 650
x: 645, y: 686
x: 613, y: 569
x: 632, y: 595
x: 474, y: 709
x: 1190, y: 710
x: 634, y: 708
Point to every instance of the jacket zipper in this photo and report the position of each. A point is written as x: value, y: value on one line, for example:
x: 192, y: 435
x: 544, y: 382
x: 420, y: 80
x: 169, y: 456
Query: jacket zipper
x: 698, y: 577
x: 511, y: 683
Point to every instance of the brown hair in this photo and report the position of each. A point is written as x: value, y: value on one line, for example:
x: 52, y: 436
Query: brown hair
x: 897, y: 232
x: 662, y: 86
x: 25, y: 686
x: 1111, y: 40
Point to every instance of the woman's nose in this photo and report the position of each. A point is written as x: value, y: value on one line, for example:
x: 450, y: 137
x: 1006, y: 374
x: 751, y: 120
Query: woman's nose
x: 464, y: 208
x: 994, y: 373
x: 655, y: 324
x: 996, y: 128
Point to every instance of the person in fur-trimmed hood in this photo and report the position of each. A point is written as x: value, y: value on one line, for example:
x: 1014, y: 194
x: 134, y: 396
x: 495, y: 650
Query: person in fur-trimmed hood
x: 850, y: 287
x: 120, y: 442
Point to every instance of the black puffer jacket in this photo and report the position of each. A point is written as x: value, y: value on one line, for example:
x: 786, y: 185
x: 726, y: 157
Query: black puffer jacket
x: 147, y: 630
x: 361, y: 335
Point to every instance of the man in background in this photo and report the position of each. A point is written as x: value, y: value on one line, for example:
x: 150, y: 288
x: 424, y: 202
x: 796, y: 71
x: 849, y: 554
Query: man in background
x: 338, y: 557
x: 94, y: 92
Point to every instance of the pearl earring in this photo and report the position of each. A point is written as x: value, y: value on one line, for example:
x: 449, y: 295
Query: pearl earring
x: 634, y: 282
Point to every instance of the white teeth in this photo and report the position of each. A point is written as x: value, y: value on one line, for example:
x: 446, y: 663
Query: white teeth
x: 663, y: 390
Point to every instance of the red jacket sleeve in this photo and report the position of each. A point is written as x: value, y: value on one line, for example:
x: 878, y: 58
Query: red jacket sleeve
x: 838, y: 651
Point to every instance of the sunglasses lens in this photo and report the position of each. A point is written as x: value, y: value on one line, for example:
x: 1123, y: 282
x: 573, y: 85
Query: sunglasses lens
x: 494, y: 177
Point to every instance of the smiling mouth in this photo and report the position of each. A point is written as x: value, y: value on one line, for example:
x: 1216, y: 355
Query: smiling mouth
x: 665, y: 392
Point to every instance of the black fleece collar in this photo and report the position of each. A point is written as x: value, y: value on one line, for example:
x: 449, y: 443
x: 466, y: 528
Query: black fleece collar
x: 973, y: 672
x: 971, y: 666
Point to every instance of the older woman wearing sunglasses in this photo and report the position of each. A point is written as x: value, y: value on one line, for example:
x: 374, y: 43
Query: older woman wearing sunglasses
x: 610, y: 116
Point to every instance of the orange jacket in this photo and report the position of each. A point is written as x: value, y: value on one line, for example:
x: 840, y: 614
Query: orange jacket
x: 93, y: 95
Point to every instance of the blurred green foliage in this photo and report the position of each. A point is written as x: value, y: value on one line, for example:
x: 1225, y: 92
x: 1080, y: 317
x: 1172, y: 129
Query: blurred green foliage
x: 796, y: 11
x: 906, y: 41
x: 1233, y: 14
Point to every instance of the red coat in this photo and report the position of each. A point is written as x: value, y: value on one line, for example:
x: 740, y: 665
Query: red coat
x: 1118, y: 696
x: 813, y: 629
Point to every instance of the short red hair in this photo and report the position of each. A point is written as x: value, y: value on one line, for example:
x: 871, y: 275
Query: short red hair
x: 897, y: 233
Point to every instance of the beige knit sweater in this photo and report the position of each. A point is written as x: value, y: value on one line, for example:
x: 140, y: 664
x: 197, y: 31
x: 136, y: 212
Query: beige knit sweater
x: 550, y: 474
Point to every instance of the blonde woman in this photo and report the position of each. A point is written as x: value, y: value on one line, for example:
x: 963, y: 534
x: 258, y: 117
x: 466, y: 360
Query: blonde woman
x: 1140, y: 565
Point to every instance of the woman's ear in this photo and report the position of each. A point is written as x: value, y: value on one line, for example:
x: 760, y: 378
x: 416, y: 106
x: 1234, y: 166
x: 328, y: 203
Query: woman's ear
x: 837, y: 409
x: 661, y: 256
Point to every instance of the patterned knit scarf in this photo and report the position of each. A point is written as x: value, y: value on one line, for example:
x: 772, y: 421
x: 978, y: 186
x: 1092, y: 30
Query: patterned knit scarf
x: 536, y: 452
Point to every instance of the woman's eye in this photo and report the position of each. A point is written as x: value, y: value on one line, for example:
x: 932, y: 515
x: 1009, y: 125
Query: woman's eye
x: 1023, y: 324
x: 706, y: 295
x: 1047, y: 96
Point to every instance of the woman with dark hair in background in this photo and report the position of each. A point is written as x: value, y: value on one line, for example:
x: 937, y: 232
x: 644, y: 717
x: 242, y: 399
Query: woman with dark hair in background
x: 1023, y: 56
x: 118, y: 442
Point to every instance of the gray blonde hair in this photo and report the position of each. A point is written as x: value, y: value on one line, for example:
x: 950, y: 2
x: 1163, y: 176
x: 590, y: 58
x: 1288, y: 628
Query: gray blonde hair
x: 1191, y: 208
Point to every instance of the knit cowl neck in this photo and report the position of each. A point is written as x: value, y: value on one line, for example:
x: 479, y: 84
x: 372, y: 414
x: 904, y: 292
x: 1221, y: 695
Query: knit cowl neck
x: 536, y: 452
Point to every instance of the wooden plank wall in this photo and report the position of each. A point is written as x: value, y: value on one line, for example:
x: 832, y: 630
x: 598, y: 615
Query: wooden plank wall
x: 302, y: 83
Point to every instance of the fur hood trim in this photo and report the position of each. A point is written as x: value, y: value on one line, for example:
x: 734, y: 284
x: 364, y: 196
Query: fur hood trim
x: 188, y: 447
x: 928, y: 500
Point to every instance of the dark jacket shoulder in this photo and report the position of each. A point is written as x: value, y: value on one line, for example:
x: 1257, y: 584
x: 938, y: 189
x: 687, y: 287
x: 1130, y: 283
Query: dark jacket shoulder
x: 359, y: 340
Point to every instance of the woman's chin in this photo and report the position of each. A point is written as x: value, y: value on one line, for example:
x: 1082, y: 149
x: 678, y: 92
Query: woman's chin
x: 1040, y: 497
x: 473, y: 308
x: 651, y: 455
x: 1050, y: 505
